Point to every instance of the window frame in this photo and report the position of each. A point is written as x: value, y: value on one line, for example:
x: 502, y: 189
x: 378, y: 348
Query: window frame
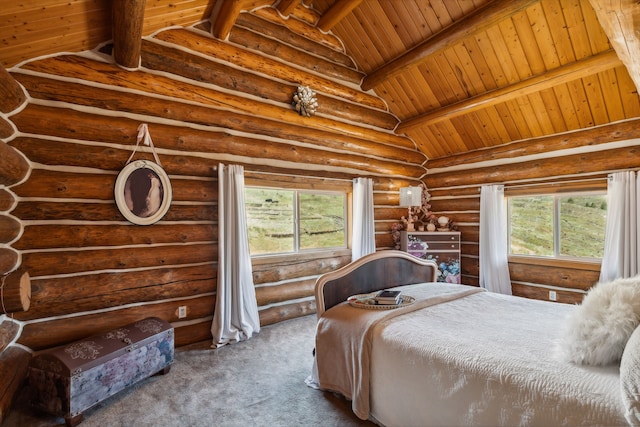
x: 297, y: 190
x: 556, y: 191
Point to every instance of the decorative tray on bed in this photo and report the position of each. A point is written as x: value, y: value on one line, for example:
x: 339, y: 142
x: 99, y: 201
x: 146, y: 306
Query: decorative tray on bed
x: 368, y: 301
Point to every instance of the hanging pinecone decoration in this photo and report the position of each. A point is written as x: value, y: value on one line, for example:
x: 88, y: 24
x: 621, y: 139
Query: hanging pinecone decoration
x: 305, y: 101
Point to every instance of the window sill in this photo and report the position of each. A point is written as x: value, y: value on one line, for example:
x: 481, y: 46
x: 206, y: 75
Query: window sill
x: 299, y: 256
x: 555, y: 262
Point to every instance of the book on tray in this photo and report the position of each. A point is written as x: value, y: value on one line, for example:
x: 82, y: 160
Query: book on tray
x: 388, y: 297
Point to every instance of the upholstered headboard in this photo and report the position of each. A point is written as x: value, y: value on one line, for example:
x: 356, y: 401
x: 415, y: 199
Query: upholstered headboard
x: 373, y: 272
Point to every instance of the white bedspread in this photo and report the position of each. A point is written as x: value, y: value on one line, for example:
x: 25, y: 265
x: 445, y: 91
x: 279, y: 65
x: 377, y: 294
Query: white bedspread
x: 468, y: 358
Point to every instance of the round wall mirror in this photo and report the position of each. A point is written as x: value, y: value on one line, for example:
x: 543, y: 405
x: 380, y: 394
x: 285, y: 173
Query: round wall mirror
x: 143, y: 192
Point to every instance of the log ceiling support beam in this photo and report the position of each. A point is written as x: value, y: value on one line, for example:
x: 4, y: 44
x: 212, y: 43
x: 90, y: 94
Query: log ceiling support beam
x: 619, y: 20
x: 226, y: 12
x: 286, y: 7
x: 573, y: 71
x: 128, y: 18
x: 336, y: 13
x: 223, y: 17
x: 536, y: 147
x: 483, y: 18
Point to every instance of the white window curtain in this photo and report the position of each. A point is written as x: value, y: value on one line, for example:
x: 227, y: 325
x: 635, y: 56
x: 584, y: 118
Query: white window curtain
x: 620, y: 258
x: 494, y: 266
x: 363, y: 238
x: 236, y: 313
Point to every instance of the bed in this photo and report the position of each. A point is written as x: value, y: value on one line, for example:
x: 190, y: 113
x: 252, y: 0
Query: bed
x: 458, y: 355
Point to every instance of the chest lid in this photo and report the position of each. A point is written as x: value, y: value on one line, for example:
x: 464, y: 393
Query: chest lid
x: 86, y: 353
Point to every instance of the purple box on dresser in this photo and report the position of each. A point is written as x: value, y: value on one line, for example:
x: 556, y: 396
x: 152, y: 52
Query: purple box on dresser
x: 68, y: 380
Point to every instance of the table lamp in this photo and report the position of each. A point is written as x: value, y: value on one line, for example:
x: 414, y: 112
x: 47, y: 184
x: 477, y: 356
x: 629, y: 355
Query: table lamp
x: 410, y: 197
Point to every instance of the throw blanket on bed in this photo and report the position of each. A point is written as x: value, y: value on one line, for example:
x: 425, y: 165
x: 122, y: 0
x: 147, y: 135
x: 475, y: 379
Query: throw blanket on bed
x: 343, y: 358
x: 460, y: 356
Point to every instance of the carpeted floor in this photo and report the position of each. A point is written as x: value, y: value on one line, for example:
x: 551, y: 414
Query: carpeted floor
x: 259, y: 382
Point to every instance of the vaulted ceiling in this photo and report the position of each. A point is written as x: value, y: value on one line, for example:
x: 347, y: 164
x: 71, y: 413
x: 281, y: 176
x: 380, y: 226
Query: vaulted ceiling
x: 459, y: 75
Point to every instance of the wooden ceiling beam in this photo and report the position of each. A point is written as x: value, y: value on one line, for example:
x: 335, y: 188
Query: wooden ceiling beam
x: 225, y: 13
x: 575, y: 70
x: 223, y: 17
x: 619, y: 20
x: 128, y: 18
x: 534, y: 147
x: 286, y: 7
x: 336, y: 13
x: 481, y: 19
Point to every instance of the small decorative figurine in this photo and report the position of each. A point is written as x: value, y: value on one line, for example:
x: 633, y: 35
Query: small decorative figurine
x: 305, y: 101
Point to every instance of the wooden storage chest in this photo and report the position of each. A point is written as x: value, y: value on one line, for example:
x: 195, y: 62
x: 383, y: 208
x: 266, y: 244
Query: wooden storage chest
x: 68, y: 380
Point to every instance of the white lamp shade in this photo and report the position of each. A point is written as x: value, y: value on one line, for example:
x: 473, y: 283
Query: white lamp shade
x: 410, y: 196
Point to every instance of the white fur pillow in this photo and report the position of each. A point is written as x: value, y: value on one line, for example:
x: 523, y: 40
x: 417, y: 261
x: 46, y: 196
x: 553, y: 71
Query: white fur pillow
x: 597, y: 331
x: 630, y: 378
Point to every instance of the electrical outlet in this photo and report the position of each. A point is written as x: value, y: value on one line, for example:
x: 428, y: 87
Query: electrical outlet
x: 182, y: 312
x: 553, y: 296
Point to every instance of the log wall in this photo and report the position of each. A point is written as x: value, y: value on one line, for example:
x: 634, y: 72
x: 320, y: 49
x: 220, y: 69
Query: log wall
x: 205, y: 101
x: 68, y: 124
x: 580, y: 159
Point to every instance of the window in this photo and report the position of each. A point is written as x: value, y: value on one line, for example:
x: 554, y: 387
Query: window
x: 289, y: 221
x: 558, y: 225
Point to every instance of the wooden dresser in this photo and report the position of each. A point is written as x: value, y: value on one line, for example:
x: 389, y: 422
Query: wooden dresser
x: 441, y: 246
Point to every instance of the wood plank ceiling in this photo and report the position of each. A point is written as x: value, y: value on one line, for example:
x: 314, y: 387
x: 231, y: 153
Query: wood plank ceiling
x: 460, y: 75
